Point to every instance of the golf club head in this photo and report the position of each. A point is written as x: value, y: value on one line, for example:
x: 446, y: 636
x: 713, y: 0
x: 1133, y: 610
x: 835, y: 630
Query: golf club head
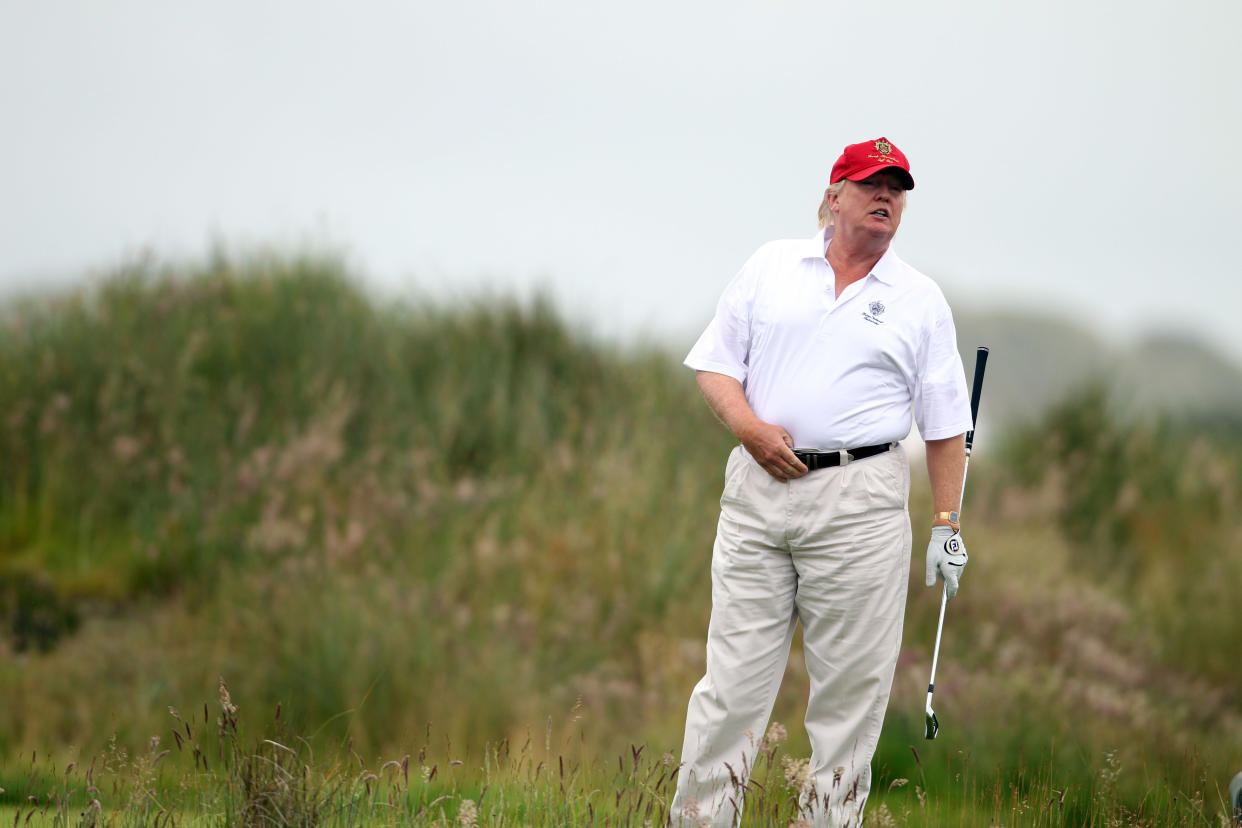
x: 932, y: 725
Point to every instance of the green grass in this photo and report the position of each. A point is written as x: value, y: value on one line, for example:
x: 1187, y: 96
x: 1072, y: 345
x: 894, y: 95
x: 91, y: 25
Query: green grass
x: 385, y: 515
x: 223, y: 774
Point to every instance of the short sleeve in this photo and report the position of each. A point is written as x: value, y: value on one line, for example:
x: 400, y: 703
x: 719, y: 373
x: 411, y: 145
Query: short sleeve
x: 940, y: 400
x: 724, y: 346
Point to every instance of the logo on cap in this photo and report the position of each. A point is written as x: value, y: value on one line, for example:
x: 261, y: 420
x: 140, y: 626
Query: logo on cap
x: 858, y: 161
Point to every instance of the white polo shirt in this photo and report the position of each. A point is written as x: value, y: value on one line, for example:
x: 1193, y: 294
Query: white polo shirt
x: 838, y: 372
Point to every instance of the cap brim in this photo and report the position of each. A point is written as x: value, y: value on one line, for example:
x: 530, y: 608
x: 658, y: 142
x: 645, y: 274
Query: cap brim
x: 867, y: 172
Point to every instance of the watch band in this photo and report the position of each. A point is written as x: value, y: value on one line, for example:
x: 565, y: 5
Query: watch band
x: 951, y: 519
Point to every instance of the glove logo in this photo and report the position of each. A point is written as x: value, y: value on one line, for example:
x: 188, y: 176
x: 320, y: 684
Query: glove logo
x: 953, y: 545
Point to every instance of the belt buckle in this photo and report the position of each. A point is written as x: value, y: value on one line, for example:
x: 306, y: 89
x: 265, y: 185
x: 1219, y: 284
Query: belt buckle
x: 844, y: 457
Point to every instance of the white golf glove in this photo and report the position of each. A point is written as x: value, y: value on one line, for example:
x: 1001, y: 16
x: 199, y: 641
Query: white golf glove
x: 946, y: 556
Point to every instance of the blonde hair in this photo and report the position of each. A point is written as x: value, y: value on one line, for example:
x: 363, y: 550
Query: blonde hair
x: 826, y: 217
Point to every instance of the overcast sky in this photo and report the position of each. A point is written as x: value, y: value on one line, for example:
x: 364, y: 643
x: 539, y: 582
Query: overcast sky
x: 1072, y: 156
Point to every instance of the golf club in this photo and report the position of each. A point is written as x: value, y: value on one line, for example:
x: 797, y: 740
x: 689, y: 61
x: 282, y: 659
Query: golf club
x: 981, y: 361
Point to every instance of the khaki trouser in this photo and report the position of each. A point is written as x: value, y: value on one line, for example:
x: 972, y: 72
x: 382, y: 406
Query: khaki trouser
x: 832, y: 550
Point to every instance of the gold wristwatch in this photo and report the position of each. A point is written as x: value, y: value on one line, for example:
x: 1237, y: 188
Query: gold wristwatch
x: 947, y: 519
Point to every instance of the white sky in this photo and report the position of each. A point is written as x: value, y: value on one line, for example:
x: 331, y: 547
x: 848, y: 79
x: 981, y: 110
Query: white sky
x: 1073, y: 156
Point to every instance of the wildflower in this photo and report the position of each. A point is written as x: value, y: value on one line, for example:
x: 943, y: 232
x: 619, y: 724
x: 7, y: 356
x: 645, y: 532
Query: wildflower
x: 775, y: 735
x: 797, y: 771
x: 883, y: 817
x: 1112, y: 768
x: 468, y: 814
x: 691, y: 811
x: 226, y: 701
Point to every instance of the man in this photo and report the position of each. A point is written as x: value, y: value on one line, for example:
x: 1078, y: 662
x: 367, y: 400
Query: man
x: 819, y: 353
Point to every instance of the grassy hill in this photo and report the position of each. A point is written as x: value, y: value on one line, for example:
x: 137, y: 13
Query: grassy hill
x: 388, y: 510
x: 1042, y: 358
x: 475, y: 522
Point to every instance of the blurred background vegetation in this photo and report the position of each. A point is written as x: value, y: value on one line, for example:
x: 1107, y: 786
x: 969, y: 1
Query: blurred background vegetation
x: 474, y: 520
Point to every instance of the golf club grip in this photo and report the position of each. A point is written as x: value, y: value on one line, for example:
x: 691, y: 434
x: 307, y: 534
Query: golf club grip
x: 981, y: 364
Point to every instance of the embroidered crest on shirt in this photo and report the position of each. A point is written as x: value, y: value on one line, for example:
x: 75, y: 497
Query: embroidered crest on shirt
x: 873, y: 313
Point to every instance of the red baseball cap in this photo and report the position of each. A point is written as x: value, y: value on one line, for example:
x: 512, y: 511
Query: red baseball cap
x: 858, y: 161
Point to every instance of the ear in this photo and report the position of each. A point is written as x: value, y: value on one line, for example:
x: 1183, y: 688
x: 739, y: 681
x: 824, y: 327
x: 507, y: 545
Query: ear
x: 831, y: 199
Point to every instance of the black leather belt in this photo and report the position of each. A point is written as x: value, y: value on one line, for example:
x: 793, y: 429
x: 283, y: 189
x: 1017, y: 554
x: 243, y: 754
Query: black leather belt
x: 818, y: 459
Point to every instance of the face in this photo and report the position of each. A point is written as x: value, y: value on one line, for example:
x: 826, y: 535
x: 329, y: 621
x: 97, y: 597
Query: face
x: 872, y: 206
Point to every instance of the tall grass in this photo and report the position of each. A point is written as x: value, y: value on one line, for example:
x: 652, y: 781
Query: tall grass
x: 214, y: 770
x: 262, y: 472
x: 476, y: 519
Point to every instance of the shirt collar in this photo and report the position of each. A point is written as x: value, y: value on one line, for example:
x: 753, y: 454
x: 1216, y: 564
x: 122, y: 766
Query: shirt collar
x: 887, y: 269
x: 817, y: 245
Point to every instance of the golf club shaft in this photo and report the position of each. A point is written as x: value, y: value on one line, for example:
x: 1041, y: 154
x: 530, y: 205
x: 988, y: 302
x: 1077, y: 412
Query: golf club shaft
x: 944, y: 595
x: 981, y: 361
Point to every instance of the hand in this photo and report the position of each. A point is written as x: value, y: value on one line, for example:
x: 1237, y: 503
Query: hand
x: 772, y: 448
x: 946, y: 557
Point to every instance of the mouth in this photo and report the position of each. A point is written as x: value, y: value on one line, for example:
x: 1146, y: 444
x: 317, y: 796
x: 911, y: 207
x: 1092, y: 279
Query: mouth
x: 881, y: 212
